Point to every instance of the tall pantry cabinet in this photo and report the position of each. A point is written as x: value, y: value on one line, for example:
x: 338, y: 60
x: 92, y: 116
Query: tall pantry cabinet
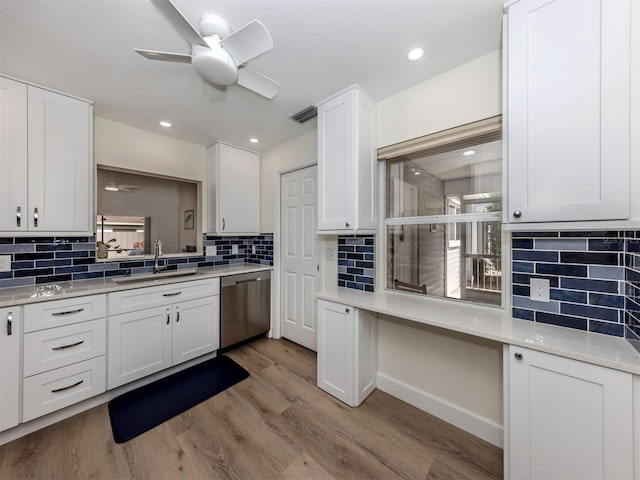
x: 46, y: 167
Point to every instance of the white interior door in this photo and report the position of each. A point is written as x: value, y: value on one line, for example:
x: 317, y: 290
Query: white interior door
x: 299, y: 252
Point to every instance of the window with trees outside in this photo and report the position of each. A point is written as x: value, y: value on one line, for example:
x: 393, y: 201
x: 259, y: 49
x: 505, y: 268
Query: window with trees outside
x: 444, y: 214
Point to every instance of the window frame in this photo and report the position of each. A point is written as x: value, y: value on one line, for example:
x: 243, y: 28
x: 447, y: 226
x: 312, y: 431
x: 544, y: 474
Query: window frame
x: 463, y: 133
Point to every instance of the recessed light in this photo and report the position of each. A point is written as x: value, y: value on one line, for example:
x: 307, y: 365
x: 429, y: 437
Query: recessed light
x: 253, y: 140
x: 469, y: 152
x: 416, y: 173
x: 165, y: 124
x: 415, y: 54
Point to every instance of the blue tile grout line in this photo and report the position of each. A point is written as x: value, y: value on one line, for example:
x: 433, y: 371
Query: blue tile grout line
x: 356, y: 262
x: 591, y: 273
x: 36, y: 260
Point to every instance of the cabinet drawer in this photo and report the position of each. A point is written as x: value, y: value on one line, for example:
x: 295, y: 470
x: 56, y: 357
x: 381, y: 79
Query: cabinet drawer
x: 61, y: 346
x: 148, y: 297
x: 38, y: 316
x: 60, y: 388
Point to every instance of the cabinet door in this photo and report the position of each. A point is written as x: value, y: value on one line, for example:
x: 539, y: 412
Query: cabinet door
x: 336, y: 160
x: 567, y: 419
x: 336, y: 350
x: 568, y: 110
x: 238, y: 190
x: 10, y: 333
x: 139, y: 344
x: 13, y: 155
x: 60, y: 166
x: 196, y: 328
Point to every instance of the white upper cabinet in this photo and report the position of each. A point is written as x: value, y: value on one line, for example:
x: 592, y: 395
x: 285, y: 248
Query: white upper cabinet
x: 347, y: 170
x: 567, y: 94
x: 234, y: 190
x: 46, y: 166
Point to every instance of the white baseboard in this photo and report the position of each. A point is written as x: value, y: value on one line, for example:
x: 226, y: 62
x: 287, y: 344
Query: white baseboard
x: 462, y: 418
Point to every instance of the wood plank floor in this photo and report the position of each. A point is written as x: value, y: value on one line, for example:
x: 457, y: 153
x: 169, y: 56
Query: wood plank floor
x: 275, y: 424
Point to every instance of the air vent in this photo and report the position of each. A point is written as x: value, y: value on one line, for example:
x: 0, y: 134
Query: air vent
x: 305, y: 114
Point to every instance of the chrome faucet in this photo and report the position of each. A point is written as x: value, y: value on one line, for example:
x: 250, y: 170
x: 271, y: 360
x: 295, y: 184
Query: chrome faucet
x: 157, y: 251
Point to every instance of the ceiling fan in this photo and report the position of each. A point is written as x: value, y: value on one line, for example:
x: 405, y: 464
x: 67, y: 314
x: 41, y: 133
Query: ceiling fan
x: 218, y: 55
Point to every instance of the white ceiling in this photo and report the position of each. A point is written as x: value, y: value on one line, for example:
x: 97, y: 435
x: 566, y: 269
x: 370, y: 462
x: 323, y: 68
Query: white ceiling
x: 85, y: 48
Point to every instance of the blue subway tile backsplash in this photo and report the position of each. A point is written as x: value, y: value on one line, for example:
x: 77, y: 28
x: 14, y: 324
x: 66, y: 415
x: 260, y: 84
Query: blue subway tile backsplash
x: 594, y: 278
x: 356, y: 262
x: 36, y: 260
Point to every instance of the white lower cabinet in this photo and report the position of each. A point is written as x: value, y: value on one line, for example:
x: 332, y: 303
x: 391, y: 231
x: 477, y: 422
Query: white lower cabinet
x: 147, y: 341
x: 347, y: 352
x: 10, y: 377
x: 566, y: 419
x: 64, y: 353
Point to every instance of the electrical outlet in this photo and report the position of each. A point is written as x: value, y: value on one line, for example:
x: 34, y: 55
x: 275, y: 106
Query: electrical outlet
x: 5, y: 263
x: 234, y: 249
x: 330, y: 253
x: 210, y: 251
x: 539, y: 290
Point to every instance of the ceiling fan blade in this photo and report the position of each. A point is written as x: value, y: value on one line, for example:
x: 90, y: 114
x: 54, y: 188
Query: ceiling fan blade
x: 258, y: 83
x: 164, y: 56
x: 180, y: 23
x: 248, y: 42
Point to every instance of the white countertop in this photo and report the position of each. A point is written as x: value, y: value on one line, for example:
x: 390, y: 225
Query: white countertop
x: 494, y: 324
x: 13, y: 296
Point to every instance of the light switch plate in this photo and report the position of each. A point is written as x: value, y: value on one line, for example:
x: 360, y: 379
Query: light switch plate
x: 210, y: 251
x: 539, y: 290
x: 330, y: 253
x: 5, y: 263
x: 253, y: 249
x: 234, y: 249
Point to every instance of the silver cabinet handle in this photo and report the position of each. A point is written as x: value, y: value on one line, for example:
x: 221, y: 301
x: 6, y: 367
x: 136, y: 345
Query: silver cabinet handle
x: 67, y: 388
x: 18, y: 216
x: 168, y: 316
x: 63, y: 347
x: 223, y: 224
x: 177, y: 314
x: 171, y: 294
x: 35, y: 217
x: 10, y: 323
x: 518, y: 356
x: 238, y: 282
x: 517, y: 214
x: 68, y: 312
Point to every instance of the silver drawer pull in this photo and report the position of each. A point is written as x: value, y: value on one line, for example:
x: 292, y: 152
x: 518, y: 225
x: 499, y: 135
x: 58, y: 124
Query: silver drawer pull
x: 66, y: 388
x: 68, y: 312
x: 68, y: 346
x: 18, y: 216
x: 171, y: 294
x: 10, y: 323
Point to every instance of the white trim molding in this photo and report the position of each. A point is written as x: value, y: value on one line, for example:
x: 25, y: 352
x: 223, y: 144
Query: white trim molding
x: 456, y: 415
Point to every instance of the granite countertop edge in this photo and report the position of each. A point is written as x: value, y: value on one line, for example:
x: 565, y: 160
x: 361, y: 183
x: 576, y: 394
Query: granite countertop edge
x: 494, y: 324
x: 17, y: 296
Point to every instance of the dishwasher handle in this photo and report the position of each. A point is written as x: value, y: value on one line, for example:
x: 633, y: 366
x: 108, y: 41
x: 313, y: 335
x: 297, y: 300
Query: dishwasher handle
x: 238, y: 282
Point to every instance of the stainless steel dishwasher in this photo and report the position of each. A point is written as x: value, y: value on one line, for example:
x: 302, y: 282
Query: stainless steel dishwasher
x: 245, y: 310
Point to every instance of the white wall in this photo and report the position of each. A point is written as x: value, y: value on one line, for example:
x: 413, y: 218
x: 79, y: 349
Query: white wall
x: 465, y: 94
x: 460, y: 371
x: 302, y: 150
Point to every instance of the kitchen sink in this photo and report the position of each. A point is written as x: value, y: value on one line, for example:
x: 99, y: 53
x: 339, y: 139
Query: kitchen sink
x: 150, y: 277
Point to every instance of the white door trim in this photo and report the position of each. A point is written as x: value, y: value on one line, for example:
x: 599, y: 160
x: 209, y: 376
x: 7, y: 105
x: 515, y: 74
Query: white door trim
x: 276, y: 326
